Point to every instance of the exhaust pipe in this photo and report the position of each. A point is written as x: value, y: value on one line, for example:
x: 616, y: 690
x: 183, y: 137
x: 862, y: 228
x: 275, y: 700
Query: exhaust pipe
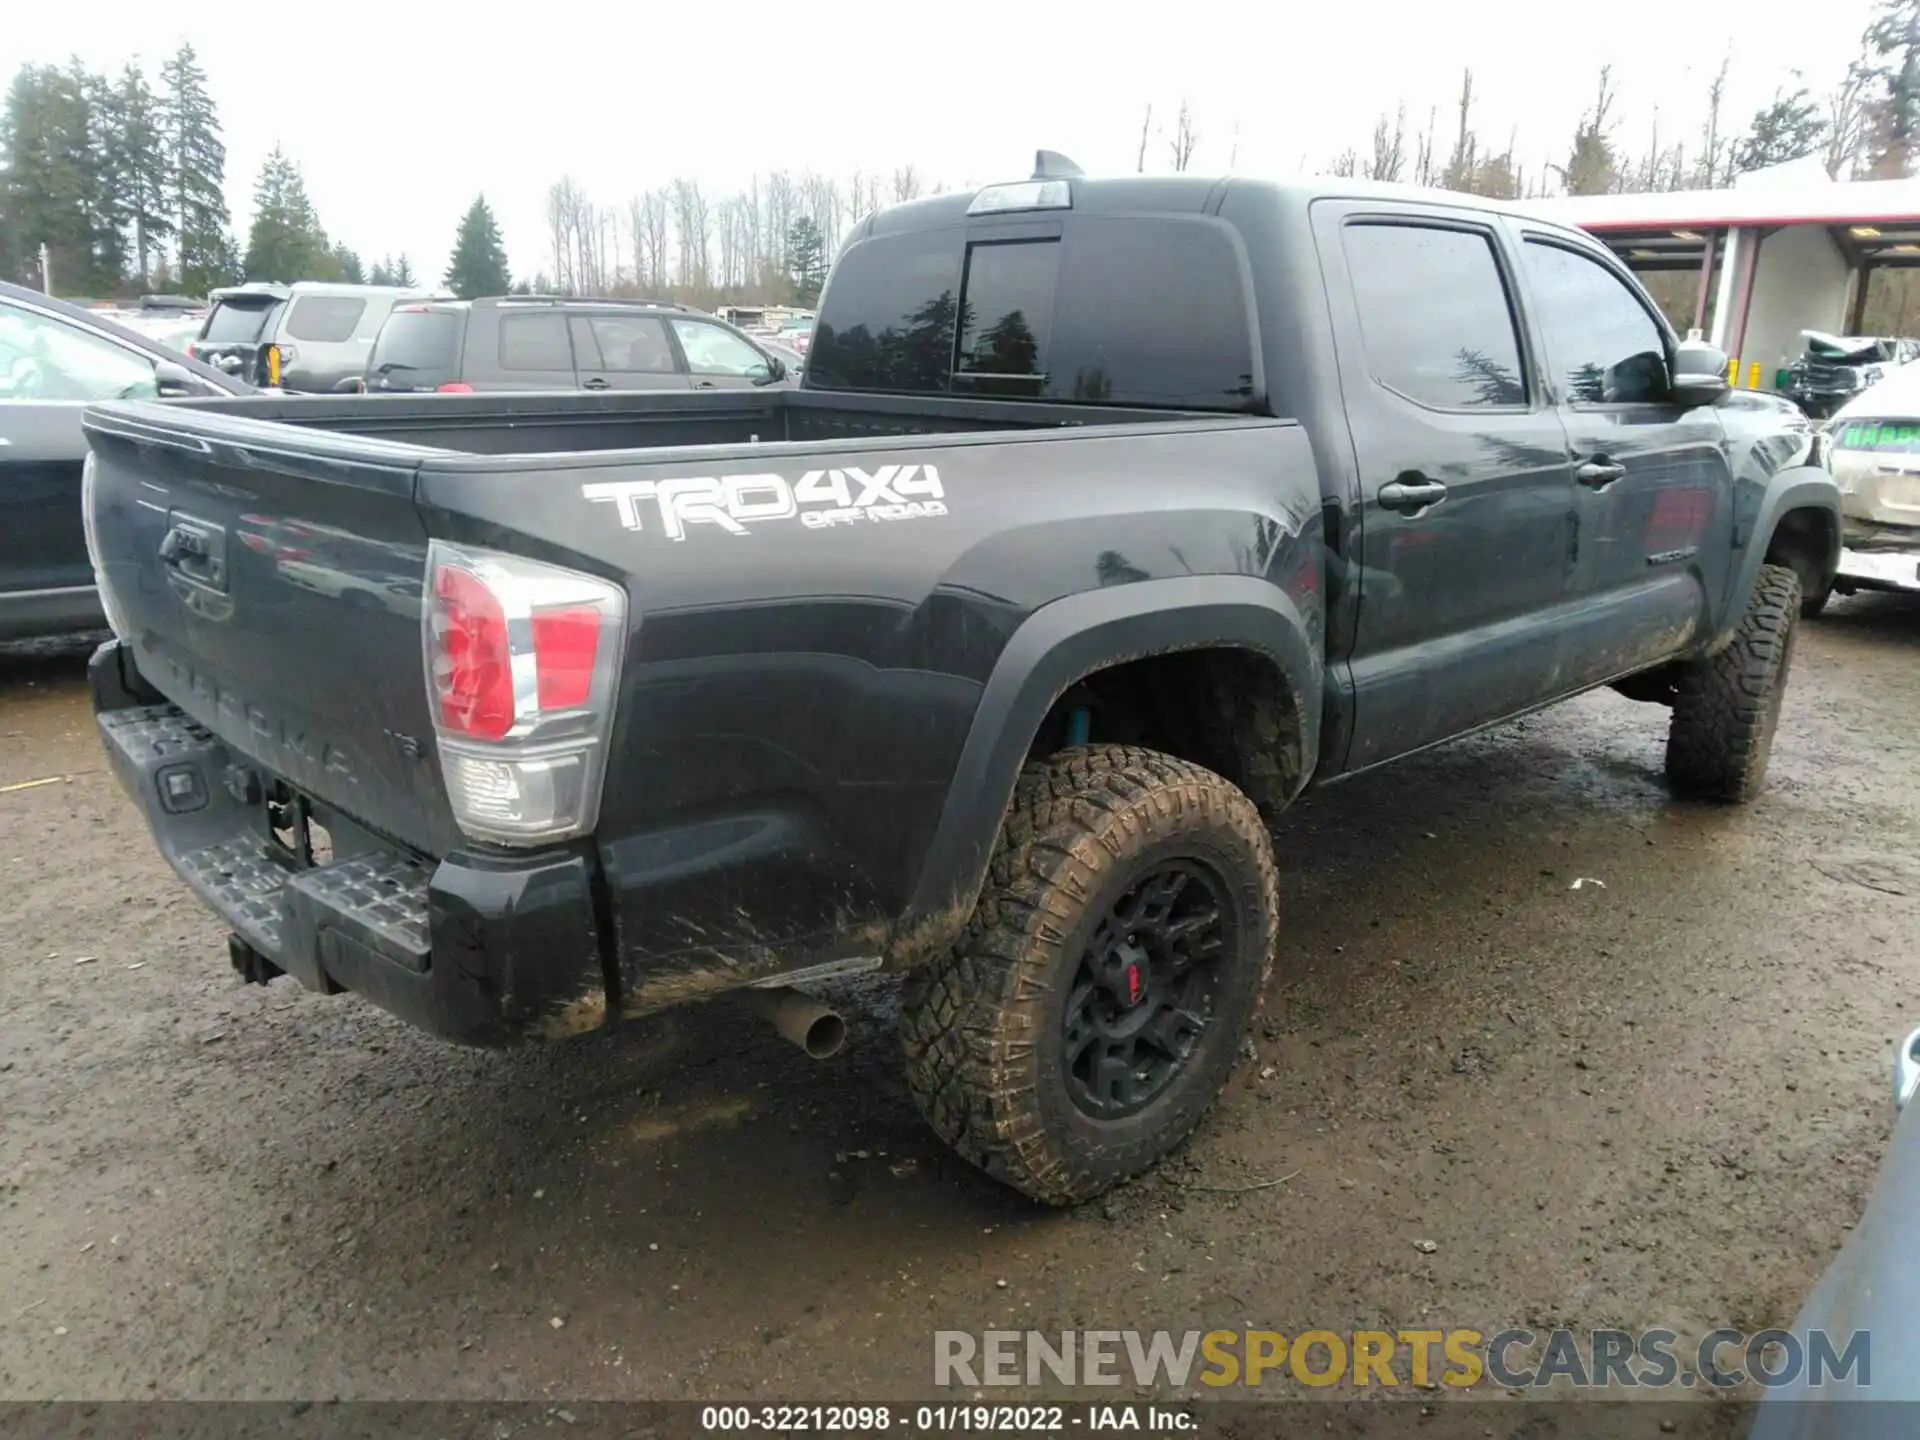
x: 815, y: 1028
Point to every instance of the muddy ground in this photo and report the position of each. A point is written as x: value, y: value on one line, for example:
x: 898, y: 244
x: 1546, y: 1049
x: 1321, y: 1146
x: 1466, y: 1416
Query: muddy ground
x: 1655, y: 1103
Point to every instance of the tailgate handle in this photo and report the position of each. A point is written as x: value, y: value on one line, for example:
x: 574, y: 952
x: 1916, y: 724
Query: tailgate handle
x: 197, y: 551
x: 182, y: 544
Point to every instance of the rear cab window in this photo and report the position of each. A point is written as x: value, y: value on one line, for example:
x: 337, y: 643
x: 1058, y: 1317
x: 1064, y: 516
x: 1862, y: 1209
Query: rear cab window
x: 1125, y: 310
x: 324, y: 319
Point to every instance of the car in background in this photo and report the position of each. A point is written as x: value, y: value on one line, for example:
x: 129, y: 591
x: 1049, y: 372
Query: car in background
x: 797, y: 332
x: 560, y: 342
x: 55, y: 360
x: 1834, y: 368
x: 311, y: 336
x: 1873, y: 449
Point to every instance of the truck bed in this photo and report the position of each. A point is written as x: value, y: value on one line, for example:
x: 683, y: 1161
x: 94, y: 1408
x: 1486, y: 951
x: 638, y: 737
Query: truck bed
x: 499, y: 424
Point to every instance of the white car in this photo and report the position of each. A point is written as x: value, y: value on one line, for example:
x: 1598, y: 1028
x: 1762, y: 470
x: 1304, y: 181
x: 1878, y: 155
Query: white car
x: 1873, y: 447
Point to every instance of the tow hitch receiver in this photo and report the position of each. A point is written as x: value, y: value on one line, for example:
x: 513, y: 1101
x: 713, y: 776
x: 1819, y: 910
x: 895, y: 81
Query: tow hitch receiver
x: 254, y: 967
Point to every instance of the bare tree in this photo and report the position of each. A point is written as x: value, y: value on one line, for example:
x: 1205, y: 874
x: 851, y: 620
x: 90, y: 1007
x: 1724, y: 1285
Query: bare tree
x: 1346, y: 164
x: 783, y: 208
x: 1146, y: 124
x: 1712, y: 168
x: 1389, y: 157
x: 568, y: 211
x: 1464, y: 163
x: 1185, y: 138
x: 1426, y: 164
x: 651, y: 238
x: 906, y: 184
x: 1233, y: 148
x: 692, y: 224
x: 1849, y: 113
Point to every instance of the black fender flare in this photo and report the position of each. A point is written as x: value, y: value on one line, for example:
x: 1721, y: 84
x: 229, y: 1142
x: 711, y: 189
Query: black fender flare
x: 1804, y: 487
x: 1057, y: 646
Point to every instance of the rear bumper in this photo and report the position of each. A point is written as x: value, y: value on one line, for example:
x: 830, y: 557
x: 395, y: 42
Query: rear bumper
x: 474, y: 949
x: 65, y: 611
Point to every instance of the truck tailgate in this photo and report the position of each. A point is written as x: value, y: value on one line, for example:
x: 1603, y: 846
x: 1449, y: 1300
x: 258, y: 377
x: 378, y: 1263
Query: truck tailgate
x: 274, y: 594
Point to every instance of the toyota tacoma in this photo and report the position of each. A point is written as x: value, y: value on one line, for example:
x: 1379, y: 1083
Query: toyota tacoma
x: 1111, y: 514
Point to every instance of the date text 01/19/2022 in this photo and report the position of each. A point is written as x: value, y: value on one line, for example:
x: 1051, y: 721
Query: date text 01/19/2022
x: 945, y: 1419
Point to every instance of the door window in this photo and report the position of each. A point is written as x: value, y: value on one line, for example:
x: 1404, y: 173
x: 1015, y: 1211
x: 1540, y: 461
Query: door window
x: 1606, y: 349
x: 1436, y: 323
x: 712, y: 351
x: 632, y: 344
x: 46, y: 359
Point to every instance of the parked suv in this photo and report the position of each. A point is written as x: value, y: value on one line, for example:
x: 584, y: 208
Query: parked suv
x: 311, y: 335
x: 558, y: 342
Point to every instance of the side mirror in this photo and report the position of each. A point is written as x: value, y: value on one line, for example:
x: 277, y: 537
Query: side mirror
x: 351, y: 385
x: 767, y: 371
x: 1699, y: 374
x: 172, y: 381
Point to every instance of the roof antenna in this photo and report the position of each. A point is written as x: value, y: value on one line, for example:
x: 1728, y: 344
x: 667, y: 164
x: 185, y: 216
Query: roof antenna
x: 1052, y: 165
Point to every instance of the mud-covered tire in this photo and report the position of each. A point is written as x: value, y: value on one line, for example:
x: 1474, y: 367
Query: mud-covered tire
x: 983, y: 1026
x: 1726, y: 706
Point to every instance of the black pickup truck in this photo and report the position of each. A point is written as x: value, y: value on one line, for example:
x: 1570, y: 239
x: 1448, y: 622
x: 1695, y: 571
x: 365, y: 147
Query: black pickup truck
x: 1111, y: 514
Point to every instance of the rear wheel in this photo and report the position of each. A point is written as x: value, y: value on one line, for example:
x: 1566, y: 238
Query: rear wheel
x: 1726, y: 706
x: 1089, y: 1013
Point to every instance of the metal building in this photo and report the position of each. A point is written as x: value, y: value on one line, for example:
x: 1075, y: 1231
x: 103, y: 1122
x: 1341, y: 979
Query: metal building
x: 1784, y: 250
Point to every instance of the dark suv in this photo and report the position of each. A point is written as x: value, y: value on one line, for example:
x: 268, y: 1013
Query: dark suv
x: 557, y: 342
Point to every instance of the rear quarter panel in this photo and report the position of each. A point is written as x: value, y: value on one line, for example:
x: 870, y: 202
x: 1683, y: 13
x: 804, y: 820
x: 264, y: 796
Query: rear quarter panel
x: 796, y: 694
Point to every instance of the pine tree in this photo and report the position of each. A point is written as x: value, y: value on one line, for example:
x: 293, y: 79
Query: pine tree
x: 196, y: 162
x: 140, y: 168
x: 1791, y: 128
x: 806, y: 260
x: 53, y: 188
x: 479, y: 263
x: 348, y: 264
x: 1893, y: 39
x: 403, y: 273
x: 286, y: 241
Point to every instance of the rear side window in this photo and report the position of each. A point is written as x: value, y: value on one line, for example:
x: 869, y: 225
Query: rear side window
x: 418, y: 340
x: 324, y: 318
x: 888, y: 317
x: 1435, y: 319
x: 236, y: 323
x: 1136, y: 311
x: 1605, y: 347
x: 1151, y: 312
x: 534, y: 342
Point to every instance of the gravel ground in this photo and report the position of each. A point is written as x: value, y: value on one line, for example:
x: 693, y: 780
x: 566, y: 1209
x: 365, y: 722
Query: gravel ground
x: 1653, y: 1101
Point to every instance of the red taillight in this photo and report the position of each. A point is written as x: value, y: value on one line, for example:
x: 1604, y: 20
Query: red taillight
x: 473, y: 666
x: 454, y: 387
x: 523, y: 660
x: 564, y: 642
x: 193, y: 350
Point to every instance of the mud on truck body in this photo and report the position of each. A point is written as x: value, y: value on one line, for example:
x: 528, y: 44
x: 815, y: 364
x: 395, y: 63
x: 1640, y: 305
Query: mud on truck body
x: 1111, y: 515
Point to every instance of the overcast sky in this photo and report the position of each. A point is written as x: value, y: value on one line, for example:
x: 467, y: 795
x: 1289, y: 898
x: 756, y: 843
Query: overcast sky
x: 398, y: 113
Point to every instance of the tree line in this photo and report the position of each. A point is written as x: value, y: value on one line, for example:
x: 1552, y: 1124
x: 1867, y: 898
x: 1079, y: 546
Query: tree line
x: 115, y: 185
x: 122, y: 180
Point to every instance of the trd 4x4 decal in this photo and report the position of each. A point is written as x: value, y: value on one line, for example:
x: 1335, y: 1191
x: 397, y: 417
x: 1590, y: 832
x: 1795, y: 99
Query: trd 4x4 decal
x: 819, y: 498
